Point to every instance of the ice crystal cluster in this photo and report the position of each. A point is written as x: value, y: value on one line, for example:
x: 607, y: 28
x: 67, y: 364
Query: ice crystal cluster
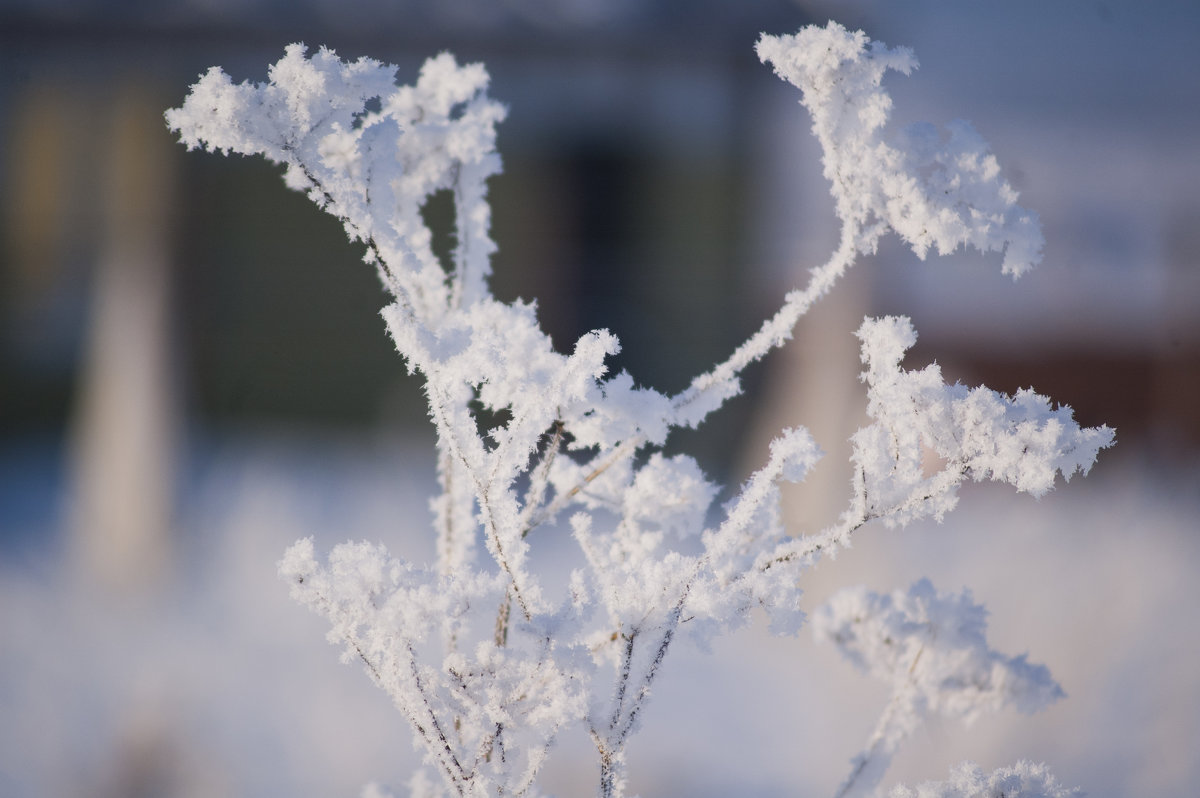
x: 488, y: 658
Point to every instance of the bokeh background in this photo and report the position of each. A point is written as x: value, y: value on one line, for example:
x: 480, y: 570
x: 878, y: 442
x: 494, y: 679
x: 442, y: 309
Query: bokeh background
x: 193, y: 373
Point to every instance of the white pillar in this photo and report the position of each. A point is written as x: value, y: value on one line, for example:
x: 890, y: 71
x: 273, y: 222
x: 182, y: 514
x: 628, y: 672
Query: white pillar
x: 124, y: 431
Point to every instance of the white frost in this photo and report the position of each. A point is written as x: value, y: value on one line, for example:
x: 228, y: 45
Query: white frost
x: 933, y: 191
x: 974, y: 432
x: 932, y: 650
x: 1023, y: 780
x: 486, y: 662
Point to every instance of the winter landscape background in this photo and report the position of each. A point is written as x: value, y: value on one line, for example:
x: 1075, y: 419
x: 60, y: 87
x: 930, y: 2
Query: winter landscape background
x: 169, y: 427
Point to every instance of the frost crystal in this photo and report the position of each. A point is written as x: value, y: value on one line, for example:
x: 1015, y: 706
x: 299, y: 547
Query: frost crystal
x: 975, y: 432
x: 931, y: 648
x: 486, y: 662
x: 1024, y: 780
x: 933, y: 192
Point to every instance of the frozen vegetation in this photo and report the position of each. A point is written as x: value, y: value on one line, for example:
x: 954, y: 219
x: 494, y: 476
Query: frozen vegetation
x: 491, y: 655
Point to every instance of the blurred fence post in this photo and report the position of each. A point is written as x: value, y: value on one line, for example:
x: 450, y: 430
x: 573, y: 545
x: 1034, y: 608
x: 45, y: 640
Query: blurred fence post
x: 125, y: 425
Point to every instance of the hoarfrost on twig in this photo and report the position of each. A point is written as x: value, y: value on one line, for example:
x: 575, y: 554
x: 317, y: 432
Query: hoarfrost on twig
x: 486, y: 663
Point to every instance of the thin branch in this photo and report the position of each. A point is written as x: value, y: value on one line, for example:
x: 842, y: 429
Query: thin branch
x: 659, y: 655
x: 616, y: 455
x: 883, y: 742
x: 500, y: 637
x: 776, y: 330
x: 440, y: 748
x: 539, y: 480
x: 458, y: 280
x: 623, y: 679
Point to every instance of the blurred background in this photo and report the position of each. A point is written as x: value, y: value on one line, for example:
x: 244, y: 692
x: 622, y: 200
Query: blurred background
x: 193, y: 374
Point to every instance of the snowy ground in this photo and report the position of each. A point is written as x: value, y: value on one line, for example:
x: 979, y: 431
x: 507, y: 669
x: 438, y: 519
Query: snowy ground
x: 221, y: 686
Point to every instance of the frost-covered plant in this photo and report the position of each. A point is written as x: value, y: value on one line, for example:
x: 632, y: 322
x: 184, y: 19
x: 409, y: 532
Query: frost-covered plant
x: 488, y: 662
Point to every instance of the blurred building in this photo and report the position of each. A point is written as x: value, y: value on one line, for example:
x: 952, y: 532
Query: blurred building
x: 656, y: 175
